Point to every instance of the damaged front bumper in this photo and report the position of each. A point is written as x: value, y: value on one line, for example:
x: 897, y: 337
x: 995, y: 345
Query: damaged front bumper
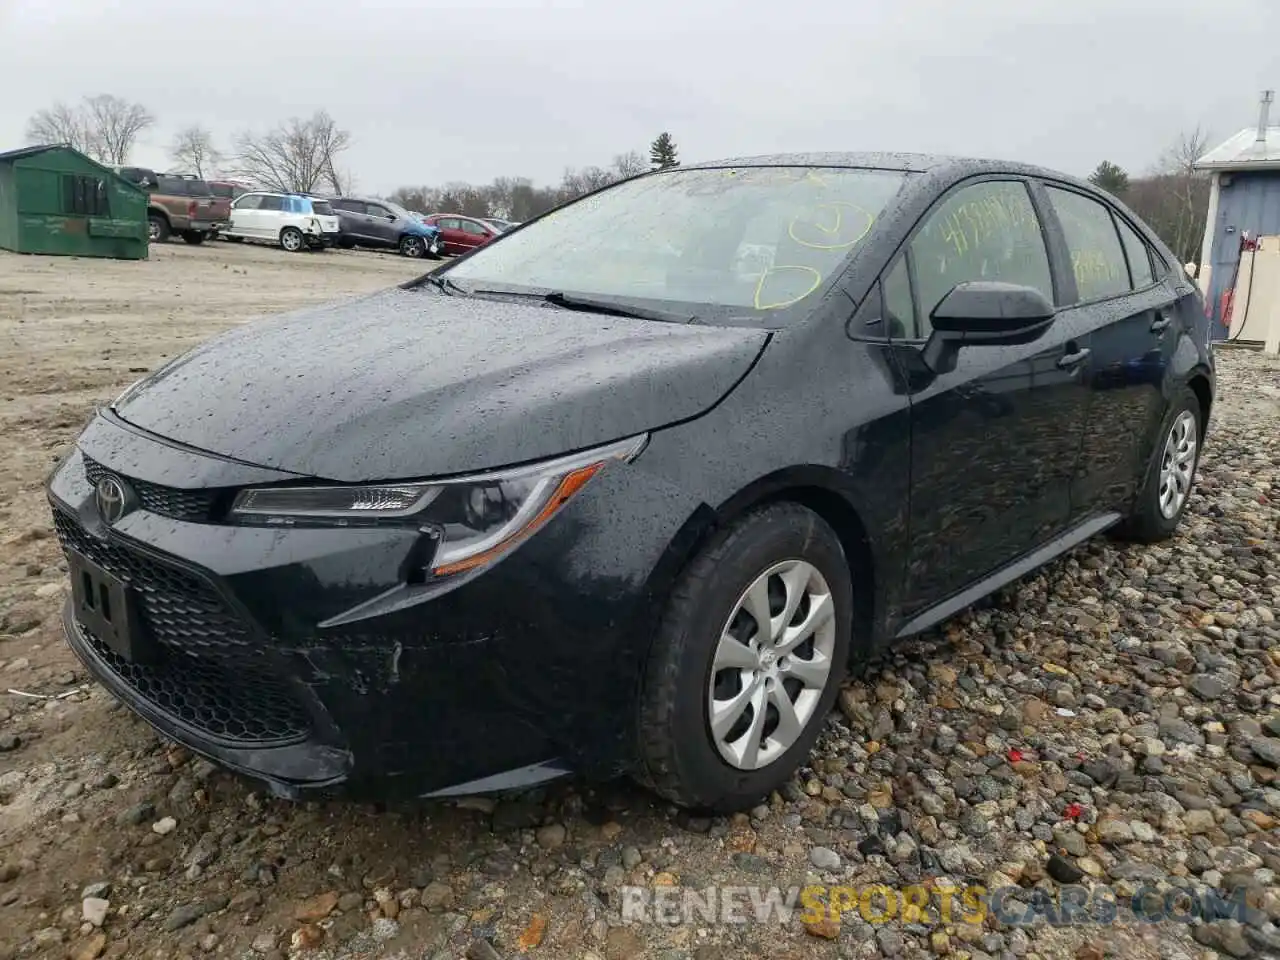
x: 461, y: 691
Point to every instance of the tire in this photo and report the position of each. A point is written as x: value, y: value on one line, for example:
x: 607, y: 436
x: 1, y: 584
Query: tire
x: 1151, y: 519
x: 157, y: 228
x: 681, y: 758
x: 412, y: 246
x: 291, y: 240
x: 194, y: 237
x: 346, y: 244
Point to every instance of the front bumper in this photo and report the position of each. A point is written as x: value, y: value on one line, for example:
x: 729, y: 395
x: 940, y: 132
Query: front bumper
x: 297, y: 657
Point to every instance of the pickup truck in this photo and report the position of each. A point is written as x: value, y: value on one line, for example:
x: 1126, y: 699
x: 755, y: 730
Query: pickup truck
x: 180, y: 204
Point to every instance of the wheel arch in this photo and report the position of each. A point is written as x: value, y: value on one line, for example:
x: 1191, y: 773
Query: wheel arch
x: 817, y: 488
x: 1202, y: 388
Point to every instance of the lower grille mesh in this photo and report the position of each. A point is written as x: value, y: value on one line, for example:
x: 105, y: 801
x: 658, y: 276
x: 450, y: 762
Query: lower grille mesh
x: 208, y: 673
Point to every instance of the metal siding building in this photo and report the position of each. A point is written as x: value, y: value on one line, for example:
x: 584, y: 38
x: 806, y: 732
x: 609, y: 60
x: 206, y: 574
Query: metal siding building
x: 55, y: 200
x: 1244, y: 198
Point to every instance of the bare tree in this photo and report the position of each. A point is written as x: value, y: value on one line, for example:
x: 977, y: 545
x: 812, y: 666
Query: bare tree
x: 1188, y: 183
x: 297, y: 155
x: 60, y: 124
x: 115, y: 124
x: 629, y: 164
x: 105, y: 127
x: 193, y: 148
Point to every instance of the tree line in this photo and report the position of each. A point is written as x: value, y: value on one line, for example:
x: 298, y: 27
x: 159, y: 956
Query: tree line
x: 1172, y: 197
x: 305, y: 155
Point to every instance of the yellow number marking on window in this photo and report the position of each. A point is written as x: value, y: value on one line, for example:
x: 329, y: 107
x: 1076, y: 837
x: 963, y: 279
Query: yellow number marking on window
x: 775, y: 271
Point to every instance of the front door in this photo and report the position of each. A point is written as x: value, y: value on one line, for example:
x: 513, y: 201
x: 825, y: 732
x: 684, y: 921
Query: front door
x: 244, y: 215
x: 382, y: 225
x: 1129, y: 309
x: 993, y: 442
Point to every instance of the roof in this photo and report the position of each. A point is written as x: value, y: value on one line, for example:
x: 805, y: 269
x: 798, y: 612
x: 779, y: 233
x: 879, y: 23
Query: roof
x: 917, y: 162
x: 24, y: 152
x: 1245, y: 152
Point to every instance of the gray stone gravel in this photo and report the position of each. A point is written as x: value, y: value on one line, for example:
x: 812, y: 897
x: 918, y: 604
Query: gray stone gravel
x: 1111, y: 719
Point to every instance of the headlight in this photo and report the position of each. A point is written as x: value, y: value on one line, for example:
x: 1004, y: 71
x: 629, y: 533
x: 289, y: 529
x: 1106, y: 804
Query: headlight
x: 476, y: 518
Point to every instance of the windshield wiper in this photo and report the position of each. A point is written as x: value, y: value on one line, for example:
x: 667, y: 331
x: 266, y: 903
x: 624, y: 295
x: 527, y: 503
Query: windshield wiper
x: 444, y: 284
x: 570, y: 301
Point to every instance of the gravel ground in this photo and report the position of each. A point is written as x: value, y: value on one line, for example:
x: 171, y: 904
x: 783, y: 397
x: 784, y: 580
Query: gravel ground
x: 1112, y: 719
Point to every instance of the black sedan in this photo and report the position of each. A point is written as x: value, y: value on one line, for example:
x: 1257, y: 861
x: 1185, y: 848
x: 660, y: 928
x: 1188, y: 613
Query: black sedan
x: 629, y: 490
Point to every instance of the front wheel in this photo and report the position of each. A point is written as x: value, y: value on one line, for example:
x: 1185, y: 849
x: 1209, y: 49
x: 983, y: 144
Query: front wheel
x: 412, y: 247
x: 1166, y: 485
x: 291, y: 239
x: 747, y: 662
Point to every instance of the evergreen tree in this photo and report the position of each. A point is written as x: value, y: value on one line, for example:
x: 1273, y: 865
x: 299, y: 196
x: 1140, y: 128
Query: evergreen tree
x: 1110, y: 178
x: 662, y: 152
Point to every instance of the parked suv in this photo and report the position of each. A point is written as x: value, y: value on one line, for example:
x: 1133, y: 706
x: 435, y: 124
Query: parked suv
x: 294, y: 221
x: 179, y: 203
x: 380, y: 223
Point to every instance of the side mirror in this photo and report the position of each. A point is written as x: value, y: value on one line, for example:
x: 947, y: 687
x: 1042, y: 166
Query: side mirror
x: 391, y: 218
x: 984, y: 312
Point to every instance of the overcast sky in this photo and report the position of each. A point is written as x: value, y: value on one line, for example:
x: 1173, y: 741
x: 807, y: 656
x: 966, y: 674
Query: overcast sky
x: 472, y: 89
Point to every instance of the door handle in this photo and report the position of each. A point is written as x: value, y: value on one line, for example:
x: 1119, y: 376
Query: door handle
x: 1161, y: 322
x: 1072, y: 360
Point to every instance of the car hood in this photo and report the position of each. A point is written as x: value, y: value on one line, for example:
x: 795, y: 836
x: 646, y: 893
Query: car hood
x: 413, y: 383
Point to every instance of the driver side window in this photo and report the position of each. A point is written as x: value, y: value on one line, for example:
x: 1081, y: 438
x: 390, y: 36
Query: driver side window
x: 987, y: 231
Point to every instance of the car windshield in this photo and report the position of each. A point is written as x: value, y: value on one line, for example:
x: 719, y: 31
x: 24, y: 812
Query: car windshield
x: 739, y: 244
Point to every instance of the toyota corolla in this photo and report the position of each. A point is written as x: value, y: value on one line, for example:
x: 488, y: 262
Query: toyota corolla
x: 628, y: 490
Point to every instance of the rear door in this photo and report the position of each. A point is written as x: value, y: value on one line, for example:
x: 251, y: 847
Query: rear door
x: 1129, y: 311
x: 994, y: 441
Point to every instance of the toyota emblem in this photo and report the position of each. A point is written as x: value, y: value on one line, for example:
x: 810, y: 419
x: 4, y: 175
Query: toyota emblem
x: 112, y: 499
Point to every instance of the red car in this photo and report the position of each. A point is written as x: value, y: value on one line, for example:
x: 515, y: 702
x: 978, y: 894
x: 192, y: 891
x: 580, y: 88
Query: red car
x: 460, y: 234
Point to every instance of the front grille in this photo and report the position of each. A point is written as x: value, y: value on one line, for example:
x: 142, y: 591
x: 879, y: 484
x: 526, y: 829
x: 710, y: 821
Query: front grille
x: 194, y: 506
x: 209, y: 670
x: 182, y: 610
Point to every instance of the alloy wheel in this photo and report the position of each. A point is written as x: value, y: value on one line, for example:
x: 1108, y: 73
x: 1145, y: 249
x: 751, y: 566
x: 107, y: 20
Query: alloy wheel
x: 771, y: 664
x: 291, y: 240
x: 1177, y: 464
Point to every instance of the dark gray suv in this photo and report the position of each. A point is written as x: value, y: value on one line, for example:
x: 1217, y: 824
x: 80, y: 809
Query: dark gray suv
x: 382, y: 224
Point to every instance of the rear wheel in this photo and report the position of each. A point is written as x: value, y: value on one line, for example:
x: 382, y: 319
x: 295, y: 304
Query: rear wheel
x: 291, y: 239
x: 157, y: 228
x: 194, y: 237
x: 748, y: 661
x: 1166, y: 486
x: 412, y: 247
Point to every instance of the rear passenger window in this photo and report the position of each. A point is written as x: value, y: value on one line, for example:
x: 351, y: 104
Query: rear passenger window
x: 1139, y: 256
x: 1097, y: 259
x: 988, y: 231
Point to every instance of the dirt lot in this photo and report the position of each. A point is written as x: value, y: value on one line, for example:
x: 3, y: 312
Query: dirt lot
x: 1113, y: 719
